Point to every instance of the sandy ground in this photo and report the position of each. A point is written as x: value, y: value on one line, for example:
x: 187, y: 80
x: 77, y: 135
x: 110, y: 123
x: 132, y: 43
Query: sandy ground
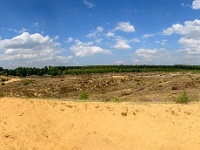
x: 12, y: 80
x: 30, y: 124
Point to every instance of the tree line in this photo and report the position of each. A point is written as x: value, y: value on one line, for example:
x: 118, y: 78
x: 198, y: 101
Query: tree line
x: 77, y: 70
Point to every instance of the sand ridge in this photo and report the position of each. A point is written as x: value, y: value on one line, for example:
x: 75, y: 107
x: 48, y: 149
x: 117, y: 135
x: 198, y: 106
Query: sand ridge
x: 37, y: 124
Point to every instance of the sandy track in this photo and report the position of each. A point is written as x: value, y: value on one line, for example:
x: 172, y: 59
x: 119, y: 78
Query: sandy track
x: 60, y: 125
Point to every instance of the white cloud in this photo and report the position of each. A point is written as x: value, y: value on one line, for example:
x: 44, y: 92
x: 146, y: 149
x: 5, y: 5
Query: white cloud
x: 122, y: 44
x: 125, y: 27
x: 190, y: 32
x: 99, y: 40
x: 172, y: 29
x: 88, y: 4
x: 189, y: 28
x: 91, y: 35
x: 70, y: 39
x: 185, y: 5
x: 15, y: 30
x: 147, y: 36
x: 151, y: 56
x: 87, y: 49
x: 22, y: 30
x: 96, y: 33
x: 196, y: 4
x: 162, y: 42
x: 100, y: 29
x: 146, y: 53
x: 31, y: 50
x: 135, y: 40
x: 110, y: 34
x: 56, y: 37
x: 189, y: 40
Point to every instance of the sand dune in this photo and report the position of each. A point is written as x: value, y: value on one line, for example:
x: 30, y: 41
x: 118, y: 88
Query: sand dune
x: 32, y: 124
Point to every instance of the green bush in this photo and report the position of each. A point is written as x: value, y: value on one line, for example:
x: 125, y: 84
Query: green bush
x: 183, y: 98
x: 83, y: 96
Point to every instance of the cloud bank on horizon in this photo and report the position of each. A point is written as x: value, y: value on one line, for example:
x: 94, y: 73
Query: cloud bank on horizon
x: 92, y: 32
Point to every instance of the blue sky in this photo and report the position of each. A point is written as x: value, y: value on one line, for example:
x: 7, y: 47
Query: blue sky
x: 36, y: 33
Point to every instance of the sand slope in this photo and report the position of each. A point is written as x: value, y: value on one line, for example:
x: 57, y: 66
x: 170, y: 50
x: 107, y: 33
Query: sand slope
x: 28, y: 124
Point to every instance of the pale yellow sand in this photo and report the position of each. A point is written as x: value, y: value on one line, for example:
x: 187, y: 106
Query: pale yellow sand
x: 59, y: 125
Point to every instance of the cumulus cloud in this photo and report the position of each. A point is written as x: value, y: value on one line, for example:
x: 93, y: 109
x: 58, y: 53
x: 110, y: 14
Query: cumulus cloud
x: 189, y: 31
x: 189, y: 40
x: 31, y: 49
x: 196, y: 4
x: 70, y: 39
x: 28, y: 41
x: 82, y: 49
x: 189, y: 27
x: 110, y: 34
x: 125, y: 27
x: 99, y: 40
x: 88, y: 4
x: 122, y: 44
x: 146, y: 53
x: 100, y: 29
x: 151, y: 56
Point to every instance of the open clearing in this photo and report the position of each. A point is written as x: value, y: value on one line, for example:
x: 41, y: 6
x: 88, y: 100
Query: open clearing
x: 111, y: 87
x: 126, y: 111
x: 38, y: 124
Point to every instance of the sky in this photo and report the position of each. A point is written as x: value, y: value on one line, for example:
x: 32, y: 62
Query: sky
x: 38, y: 33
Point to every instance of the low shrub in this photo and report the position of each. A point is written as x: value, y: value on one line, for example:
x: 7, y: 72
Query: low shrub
x: 183, y: 98
x: 83, y: 96
x: 117, y: 100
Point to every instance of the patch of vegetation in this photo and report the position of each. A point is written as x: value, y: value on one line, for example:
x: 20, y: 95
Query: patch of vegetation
x: 63, y: 90
x: 138, y: 83
x: 27, y: 93
x: 117, y: 100
x: 2, y: 83
x: 183, y: 98
x: 25, y: 82
x: 83, y: 96
x: 123, y: 80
